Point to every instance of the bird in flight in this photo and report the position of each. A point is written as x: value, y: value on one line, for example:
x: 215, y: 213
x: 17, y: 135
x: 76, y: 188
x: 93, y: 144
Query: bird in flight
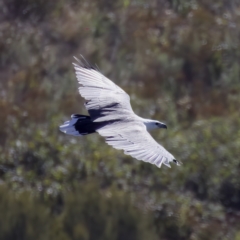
x: 111, y: 115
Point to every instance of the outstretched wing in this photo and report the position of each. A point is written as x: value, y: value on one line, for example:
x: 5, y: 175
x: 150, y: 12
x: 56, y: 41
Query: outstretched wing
x: 105, y: 101
x: 132, y: 137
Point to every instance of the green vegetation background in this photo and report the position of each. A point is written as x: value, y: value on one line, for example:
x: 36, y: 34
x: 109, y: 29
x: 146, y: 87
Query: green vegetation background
x: 179, y: 61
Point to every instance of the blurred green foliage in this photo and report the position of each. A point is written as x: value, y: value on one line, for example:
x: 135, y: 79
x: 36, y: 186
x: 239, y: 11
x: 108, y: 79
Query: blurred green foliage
x: 86, y: 214
x: 180, y: 63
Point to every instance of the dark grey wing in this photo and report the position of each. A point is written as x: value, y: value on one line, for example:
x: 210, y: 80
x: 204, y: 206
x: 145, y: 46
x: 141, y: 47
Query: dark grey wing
x: 105, y: 101
x: 132, y: 137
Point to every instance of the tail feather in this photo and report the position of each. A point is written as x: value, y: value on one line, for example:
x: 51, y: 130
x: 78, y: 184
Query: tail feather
x: 78, y: 125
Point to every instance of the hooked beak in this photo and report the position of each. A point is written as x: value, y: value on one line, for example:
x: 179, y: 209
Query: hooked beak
x: 163, y: 125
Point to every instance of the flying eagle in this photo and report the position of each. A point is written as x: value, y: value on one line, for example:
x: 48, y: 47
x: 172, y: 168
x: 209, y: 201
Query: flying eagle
x: 111, y: 115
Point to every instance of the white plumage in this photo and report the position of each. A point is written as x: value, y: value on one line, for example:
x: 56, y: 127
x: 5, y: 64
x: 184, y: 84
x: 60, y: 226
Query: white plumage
x: 111, y: 115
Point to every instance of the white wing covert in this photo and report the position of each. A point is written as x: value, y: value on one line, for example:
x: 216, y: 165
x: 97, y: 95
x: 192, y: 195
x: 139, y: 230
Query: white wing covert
x: 132, y: 137
x: 104, y: 99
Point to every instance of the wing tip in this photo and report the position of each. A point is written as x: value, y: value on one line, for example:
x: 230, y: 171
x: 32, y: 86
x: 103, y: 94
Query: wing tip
x: 177, y: 162
x: 83, y: 64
